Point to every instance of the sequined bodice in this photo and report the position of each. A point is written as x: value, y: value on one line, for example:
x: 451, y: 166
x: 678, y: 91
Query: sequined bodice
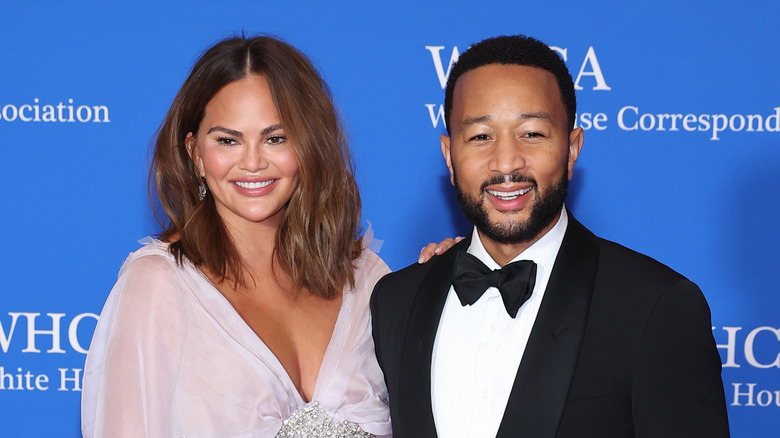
x: 311, y: 421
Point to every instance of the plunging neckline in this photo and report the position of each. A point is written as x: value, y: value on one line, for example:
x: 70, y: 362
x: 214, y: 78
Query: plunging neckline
x: 277, y: 364
x: 213, y: 372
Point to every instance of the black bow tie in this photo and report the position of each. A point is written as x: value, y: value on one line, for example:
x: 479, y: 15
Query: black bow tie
x: 515, y: 281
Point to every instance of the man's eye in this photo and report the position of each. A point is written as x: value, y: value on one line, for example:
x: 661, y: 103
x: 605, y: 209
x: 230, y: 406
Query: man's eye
x: 533, y: 135
x: 480, y: 137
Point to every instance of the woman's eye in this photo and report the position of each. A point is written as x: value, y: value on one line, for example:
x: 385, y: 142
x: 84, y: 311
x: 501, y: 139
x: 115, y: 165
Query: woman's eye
x: 277, y: 139
x: 227, y: 141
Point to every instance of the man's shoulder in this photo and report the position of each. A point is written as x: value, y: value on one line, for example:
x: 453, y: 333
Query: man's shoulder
x: 415, y: 273
x: 617, y: 258
x: 412, y: 274
x: 398, y: 289
x: 629, y: 279
x: 621, y: 259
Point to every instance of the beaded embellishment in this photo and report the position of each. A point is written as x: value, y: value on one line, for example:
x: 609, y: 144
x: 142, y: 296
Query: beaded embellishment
x: 311, y: 421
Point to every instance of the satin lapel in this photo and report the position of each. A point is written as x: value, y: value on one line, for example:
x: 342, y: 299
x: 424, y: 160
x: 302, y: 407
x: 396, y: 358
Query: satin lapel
x: 414, y: 389
x: 541, y: 386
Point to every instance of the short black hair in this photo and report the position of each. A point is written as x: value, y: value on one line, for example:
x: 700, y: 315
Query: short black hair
x: 518, y: 50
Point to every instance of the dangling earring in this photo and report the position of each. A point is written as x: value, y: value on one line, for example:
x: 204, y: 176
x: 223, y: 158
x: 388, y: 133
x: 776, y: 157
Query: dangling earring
x: 202, y: 189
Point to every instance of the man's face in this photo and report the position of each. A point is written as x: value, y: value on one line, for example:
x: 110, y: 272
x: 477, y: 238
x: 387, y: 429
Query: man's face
x: 510, y: 154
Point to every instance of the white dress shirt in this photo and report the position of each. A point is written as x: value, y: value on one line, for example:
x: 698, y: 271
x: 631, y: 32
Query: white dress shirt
x: 478, y: 348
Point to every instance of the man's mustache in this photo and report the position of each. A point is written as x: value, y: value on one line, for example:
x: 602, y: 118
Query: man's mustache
x: 515, y: 177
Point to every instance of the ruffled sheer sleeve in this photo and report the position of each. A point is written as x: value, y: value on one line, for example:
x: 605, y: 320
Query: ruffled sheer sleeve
x: 131, y: 368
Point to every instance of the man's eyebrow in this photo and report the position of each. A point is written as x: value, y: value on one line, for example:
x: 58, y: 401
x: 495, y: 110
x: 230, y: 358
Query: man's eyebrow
x: 468, y: 121
x: 537, y: 115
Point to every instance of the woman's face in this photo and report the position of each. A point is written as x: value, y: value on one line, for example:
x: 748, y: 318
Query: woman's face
x: 240, y: 148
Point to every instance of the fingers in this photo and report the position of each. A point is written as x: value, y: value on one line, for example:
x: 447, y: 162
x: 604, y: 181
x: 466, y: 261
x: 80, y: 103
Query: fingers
x: 428, y: 251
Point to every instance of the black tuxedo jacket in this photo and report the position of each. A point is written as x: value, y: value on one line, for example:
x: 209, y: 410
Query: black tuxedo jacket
x: 622, y: 347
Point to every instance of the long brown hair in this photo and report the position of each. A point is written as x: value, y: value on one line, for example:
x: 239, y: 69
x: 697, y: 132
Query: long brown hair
x: 319, y: 234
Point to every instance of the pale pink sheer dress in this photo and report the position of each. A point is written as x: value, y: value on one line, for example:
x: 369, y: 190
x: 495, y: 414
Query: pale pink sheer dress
x: 170, y: 357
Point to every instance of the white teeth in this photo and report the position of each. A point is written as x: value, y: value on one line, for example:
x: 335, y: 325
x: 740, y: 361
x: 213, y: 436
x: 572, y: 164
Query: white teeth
x: 508, y: 196
x: 254, y: 185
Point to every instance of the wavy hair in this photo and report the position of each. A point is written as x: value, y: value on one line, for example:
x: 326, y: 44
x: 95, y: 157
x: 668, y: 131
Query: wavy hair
x: 319, y: 235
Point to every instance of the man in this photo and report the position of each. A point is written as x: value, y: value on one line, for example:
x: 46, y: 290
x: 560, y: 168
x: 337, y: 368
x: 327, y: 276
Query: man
x: 606, y: 342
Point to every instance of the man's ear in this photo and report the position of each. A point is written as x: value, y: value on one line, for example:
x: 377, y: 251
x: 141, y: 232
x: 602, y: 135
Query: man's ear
x: 576, y: 137
x: 192, y: 150
x: 445, y: 150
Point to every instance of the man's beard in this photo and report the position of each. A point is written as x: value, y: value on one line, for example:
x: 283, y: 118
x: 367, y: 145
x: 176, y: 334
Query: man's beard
x: 546, y: 206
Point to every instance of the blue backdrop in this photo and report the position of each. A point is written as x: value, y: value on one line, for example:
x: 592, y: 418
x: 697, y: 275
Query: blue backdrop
x: 682, y: 147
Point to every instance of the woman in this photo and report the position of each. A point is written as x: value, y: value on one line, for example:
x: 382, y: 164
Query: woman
x: 252, y: 308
